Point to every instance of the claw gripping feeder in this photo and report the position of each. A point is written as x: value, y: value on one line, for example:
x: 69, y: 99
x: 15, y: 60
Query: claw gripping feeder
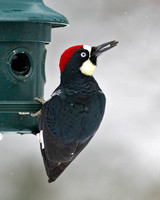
x: 25, y: 28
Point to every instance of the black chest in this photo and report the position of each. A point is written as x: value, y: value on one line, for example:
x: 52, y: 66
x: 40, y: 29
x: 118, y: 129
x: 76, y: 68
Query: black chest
x: 78, y: 116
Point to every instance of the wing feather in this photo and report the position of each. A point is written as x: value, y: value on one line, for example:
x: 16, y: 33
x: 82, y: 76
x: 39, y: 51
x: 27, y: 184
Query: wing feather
x: 55, y: 169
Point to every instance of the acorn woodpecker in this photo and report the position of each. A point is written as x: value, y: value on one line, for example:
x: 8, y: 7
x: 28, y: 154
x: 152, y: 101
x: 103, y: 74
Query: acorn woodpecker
x: 71, y: 117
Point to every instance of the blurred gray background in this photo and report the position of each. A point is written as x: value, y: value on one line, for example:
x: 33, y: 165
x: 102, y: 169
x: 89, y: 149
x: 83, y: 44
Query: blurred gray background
x: 122, y: 162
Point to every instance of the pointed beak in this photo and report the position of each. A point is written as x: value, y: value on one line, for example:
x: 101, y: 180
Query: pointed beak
x: 96, y: 51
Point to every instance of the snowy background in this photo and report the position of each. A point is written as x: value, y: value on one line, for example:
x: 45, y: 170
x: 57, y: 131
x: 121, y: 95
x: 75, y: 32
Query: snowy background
x: 122, y: 162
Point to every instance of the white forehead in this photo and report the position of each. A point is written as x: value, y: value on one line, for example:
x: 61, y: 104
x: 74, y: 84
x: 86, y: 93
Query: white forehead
x: 89, y: 48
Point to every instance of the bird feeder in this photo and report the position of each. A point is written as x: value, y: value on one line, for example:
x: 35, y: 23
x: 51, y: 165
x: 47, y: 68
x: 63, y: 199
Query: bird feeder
x: 25, y: 29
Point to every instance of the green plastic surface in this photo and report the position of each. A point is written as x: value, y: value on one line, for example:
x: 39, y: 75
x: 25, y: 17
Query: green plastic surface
x: 30, y: 11
x: 25, y: 29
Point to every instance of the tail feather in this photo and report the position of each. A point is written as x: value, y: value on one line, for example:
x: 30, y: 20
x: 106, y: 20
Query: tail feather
x: 53, y: 170
x: 56, y: 172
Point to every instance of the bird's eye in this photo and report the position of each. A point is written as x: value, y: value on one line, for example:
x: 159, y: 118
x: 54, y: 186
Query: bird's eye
x: 83, y: 54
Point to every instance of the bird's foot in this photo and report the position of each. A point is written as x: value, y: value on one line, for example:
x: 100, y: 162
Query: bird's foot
x: 36, y: 114
x: 40, y: 100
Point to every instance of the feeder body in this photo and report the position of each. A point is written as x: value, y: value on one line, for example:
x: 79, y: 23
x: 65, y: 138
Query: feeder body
x: 25, y: 29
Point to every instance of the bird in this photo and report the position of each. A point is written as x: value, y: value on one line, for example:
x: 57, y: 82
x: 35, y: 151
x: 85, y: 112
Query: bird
x: 73, y: 114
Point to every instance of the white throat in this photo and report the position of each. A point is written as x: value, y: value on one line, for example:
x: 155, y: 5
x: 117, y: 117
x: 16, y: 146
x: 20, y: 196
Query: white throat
x: 87, y: 67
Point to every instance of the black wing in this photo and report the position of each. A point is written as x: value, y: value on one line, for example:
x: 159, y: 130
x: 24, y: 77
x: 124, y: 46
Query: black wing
x: 68, y: 129
x: 56, y: 155
x: 53, y: 169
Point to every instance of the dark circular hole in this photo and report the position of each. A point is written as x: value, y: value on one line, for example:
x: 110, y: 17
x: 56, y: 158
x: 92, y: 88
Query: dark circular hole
x: 20, y: 64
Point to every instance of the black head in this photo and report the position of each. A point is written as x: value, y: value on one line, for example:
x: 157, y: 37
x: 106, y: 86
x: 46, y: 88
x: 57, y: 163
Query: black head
x: 83, y: 58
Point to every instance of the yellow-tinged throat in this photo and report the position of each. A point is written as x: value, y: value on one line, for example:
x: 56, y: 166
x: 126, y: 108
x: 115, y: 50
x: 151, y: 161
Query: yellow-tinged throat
x: 87, y: 68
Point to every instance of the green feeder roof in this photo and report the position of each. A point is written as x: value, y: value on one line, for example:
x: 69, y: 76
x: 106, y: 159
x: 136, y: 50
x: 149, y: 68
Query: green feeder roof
x: 34, y: 11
